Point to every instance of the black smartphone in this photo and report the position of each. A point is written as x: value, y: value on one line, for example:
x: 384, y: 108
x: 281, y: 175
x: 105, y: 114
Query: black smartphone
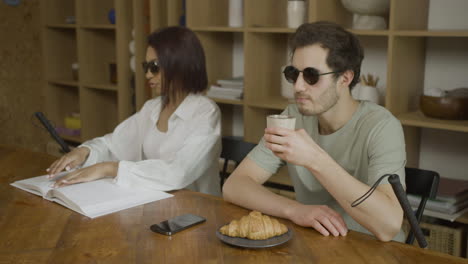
x: 177, y: 224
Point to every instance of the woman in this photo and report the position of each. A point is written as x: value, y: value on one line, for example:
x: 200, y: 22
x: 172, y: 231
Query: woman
x: 173, y: 142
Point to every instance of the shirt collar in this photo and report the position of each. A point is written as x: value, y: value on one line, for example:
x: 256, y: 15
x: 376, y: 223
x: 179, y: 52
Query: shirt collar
x: 186, y: 108
x: 184, y: 111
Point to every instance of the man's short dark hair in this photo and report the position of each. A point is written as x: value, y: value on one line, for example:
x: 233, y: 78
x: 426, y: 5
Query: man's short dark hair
x: 182, y: 61
x: 344, y: 49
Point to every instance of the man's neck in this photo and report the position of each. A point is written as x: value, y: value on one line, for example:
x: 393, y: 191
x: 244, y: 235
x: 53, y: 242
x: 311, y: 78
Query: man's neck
x: 337, y: 116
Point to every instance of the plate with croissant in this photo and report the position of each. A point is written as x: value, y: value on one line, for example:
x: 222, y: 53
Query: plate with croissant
x: 254, y: 230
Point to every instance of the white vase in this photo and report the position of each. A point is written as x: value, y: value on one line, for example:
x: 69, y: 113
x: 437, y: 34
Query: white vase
x: 287, y: 89
x: 368, y: 14
x: 365, y: 93
x: 366, y: 22
x: 235, y: 13
x: 296, y: 13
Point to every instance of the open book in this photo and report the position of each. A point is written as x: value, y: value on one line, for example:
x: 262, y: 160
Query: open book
x: 91, y: 199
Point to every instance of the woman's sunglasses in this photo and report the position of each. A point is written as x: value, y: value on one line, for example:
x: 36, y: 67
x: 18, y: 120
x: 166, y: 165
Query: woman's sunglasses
x: 310, y: 75
x: 150, y: 65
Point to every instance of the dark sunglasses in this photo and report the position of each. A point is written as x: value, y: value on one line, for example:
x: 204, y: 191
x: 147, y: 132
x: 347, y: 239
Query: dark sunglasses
x: 150, y: 65
x: 310, y: 75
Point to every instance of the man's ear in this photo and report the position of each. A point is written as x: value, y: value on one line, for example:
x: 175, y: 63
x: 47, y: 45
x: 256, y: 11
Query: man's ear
x: 346, y: 78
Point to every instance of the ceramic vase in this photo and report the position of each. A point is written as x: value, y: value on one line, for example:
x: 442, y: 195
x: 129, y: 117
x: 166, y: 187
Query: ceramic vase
x: 296, y: 13
x: 368, y: 14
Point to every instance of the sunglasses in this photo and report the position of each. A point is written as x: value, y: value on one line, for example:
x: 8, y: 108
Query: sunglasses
x: 310, y: 75
x: 150, y: 65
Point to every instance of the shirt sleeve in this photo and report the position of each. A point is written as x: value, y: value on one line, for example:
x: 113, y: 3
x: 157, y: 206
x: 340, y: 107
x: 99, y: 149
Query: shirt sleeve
x: 199, y: 150
x: 264, y: 157
x: 386, y: 151
x: 124, y: 143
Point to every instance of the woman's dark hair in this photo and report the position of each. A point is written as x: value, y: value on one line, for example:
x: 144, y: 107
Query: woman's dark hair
x: 344, y: 50
x: 182, y: 61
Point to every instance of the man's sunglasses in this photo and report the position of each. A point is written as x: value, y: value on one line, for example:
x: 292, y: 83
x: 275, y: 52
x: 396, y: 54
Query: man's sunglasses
x: 150, y: 65
x: 310, y: 75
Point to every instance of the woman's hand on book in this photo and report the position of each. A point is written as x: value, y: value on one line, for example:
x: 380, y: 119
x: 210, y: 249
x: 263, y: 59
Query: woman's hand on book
x: 91, y: 173
x: 68, y: 161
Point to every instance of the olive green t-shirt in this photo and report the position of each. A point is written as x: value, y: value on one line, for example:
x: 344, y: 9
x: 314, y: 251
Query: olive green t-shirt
x: 368, y: 146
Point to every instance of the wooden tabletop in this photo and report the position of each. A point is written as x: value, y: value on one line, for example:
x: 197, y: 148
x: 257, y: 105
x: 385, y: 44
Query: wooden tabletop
x: 33, y: 230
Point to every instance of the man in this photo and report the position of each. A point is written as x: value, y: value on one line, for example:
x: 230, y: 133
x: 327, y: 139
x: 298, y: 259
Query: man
x: 339, y: 149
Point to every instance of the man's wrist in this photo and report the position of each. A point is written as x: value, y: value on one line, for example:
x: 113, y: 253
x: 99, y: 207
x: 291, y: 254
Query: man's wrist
x: 289, y: 210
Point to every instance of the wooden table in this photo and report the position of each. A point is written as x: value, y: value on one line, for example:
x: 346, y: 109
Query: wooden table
x: 33, y: 230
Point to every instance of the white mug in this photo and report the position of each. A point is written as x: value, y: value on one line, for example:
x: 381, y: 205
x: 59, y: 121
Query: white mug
x: 285, y: 121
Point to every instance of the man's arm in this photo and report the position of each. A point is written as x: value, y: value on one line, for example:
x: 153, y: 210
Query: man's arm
x: 381, y: 213
x: 244, y: 188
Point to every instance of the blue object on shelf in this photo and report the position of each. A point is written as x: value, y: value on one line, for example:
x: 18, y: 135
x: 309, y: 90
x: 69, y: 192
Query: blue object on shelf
x: 182, y: 21
x: 111, y: 16
x: 182, y: 18
x: 12, y: 2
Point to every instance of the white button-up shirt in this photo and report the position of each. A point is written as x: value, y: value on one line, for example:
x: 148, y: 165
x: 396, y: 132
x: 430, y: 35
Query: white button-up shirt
x: 186, y: 156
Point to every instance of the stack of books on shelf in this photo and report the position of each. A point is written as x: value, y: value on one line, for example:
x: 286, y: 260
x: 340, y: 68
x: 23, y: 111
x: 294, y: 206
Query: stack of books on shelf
x: 227, y: 89
x: 451, y: 200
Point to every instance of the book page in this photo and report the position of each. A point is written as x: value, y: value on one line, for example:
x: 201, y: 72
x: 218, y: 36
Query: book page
x: 38, y: 185
x: 102, y: 197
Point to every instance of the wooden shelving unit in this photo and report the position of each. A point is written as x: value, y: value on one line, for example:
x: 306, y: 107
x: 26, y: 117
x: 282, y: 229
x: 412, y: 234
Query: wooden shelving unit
x: 94, y: 43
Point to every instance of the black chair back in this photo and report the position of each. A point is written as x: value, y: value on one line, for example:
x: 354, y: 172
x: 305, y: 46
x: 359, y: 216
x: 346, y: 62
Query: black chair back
x: 234, y: 149
x: 423, y: 183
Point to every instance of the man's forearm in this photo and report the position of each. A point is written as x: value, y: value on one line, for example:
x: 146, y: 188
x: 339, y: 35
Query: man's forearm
x: 245, y: 192
x: 380, y: 214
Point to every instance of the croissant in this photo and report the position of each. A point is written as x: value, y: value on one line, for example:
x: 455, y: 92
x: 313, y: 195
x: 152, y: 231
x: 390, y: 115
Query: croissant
x: 254, y: 226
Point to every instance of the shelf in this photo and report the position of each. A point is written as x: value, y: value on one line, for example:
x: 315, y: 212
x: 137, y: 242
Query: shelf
x: 107, y: 87
x: 418, y: 119
x: 227, y: 101
x: 268, y: 52
x: 218, y: 29
x: 62, y: 100
x: 370, y: 32
x: 60, y: 44
x: 97, y: 53
x: 276, y: 103
x: 271, y: 29
x: 207, y: 13
x: 99, y: 112
x: 98, y: 26
x: 63, y: 82
x: 432, y: 33
x: 76, y: 139
x: 218, y: 47
x: 265, y: 13
x: 91, y: 12
x: 69, y: 26
x: 56, y: 12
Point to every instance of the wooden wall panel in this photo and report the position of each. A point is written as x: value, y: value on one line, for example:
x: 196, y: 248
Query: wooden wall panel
x: 21, y: 76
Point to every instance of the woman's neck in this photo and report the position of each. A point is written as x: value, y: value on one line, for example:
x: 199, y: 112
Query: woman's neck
x: 174, y: 103
x: 166, y: 112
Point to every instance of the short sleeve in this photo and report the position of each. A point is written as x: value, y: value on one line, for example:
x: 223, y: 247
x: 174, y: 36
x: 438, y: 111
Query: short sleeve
x: 386, y: 151
x: 264, y: 157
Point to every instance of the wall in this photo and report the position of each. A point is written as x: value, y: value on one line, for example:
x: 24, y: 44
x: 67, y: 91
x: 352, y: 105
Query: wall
x: 20, y: 75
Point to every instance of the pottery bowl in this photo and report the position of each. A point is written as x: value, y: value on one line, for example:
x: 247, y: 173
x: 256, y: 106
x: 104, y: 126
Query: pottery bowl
x: 451, y: 108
